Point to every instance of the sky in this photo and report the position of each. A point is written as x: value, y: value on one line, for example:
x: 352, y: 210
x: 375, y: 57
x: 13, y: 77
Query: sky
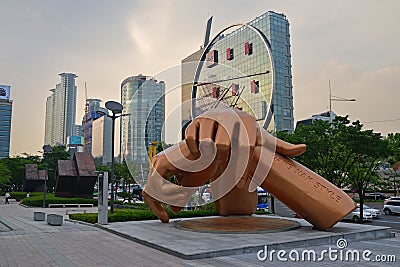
x: 354, y: 44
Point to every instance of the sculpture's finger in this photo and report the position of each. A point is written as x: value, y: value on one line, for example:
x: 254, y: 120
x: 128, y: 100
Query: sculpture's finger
x: 207, y: 129
x: 251, y: 127
x: 192, y: 137
x: 265, y: 139
x: 223, y: 143
x: 156, y: 207
x: 289, y: 149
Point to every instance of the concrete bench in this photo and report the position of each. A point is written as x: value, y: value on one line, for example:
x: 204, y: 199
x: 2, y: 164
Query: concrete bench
x: 56, y: 205
x: 71, y: 205
x: 55, y: 219
x: 39, y: 216
x: 87, y: 205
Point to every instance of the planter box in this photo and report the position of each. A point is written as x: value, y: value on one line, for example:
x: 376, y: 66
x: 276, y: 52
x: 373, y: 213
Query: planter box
x: 39, y: 216
x: 55, y: 219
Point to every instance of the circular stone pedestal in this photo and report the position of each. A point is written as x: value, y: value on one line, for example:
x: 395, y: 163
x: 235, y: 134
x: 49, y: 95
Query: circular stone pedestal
x: 242, y: 225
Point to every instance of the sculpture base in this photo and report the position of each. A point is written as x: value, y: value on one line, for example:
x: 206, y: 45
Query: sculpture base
x: 237, y: 224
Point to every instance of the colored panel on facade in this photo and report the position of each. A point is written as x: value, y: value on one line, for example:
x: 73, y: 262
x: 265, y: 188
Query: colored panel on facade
x: 235, y: 89
x: 254, y: 87
x: 212, y: 58
x: 248, y: 48
x: 215, y: 92
x: 229, y: 53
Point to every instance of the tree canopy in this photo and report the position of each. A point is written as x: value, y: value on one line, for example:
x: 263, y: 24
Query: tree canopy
x: 16, y: 167
x: 342, y: 152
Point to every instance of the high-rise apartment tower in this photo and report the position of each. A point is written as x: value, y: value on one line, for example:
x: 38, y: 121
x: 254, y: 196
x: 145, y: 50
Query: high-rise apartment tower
x: 61, y: 111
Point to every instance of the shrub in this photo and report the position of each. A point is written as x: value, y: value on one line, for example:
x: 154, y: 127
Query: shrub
x: 85, y: 217
x: 119, y: 215
x: 36, y: 200
x: 21, y: 195
x: 122, y: 215
x: 142, y: 212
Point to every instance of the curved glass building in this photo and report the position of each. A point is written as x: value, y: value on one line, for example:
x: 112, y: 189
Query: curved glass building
x: 246, y: 66
x: 143, y: 98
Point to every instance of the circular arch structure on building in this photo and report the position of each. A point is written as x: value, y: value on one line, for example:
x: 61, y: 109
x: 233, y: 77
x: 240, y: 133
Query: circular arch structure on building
x: 259, y: 102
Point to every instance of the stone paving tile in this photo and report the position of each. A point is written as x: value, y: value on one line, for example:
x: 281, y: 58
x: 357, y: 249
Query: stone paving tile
x: 194, y: 244
x: 35, y: 243
x: 386, y: 247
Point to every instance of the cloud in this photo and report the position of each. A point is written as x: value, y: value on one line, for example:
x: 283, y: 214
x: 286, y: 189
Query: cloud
x: 150, y: 26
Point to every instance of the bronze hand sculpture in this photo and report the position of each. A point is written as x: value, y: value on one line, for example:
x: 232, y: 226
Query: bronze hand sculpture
x: 227, y: 148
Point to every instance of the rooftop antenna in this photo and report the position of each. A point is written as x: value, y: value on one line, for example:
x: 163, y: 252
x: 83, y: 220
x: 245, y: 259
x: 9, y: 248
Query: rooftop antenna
x: 207, y: 32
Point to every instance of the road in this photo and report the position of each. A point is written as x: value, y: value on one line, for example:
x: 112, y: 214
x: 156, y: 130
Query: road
x: 392, y: 221
x: 385, y: 220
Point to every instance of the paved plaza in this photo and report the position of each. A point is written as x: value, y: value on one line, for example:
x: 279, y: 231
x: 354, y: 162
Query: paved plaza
x: 25, y: 242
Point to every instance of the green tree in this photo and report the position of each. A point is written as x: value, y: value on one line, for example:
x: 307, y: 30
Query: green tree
x: 57, y: 153
x: 329, y: 148
x: 102, y: 168
x: 16, y: 166
x: 162, y: 146
x: 341, y: 152
x: 5, y: 177
x: 122, y: 171
x: 368, y: 151
x: 393, y: 140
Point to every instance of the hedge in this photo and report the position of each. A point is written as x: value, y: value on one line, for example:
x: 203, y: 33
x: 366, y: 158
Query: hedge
x: 21, y: 195
x: 36, y: 200
x: 122, y: 215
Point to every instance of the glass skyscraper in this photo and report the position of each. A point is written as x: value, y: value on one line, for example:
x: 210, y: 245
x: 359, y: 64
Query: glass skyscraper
x: 247, y: 66
x: 5, y: 121
x: 61, y: 111
x: 143, y: 98
x: 276, y: 28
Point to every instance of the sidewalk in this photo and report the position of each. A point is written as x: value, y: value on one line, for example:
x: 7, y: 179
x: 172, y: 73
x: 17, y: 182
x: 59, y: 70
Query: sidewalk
x: 33, y: 243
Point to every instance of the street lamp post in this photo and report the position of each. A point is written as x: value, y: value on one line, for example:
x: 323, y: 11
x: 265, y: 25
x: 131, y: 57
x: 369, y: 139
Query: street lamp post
x: 46, y: 151
x: 335, y: 98
x: 116, y: 110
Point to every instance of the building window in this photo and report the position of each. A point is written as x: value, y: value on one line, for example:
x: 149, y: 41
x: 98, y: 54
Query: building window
x: 229, y: 53
x: 215, y: 92
x: 287, y: 112
x: 211, y: 58
x: 248, y: 48
x: 254, y: 86
x: 235, y: 89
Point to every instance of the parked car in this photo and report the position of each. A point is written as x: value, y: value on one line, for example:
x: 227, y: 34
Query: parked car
x: 378, y: 196
x: 392, y: 206
x: 390, y: 199
x: 355, y: 216
x: 374, y: 212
